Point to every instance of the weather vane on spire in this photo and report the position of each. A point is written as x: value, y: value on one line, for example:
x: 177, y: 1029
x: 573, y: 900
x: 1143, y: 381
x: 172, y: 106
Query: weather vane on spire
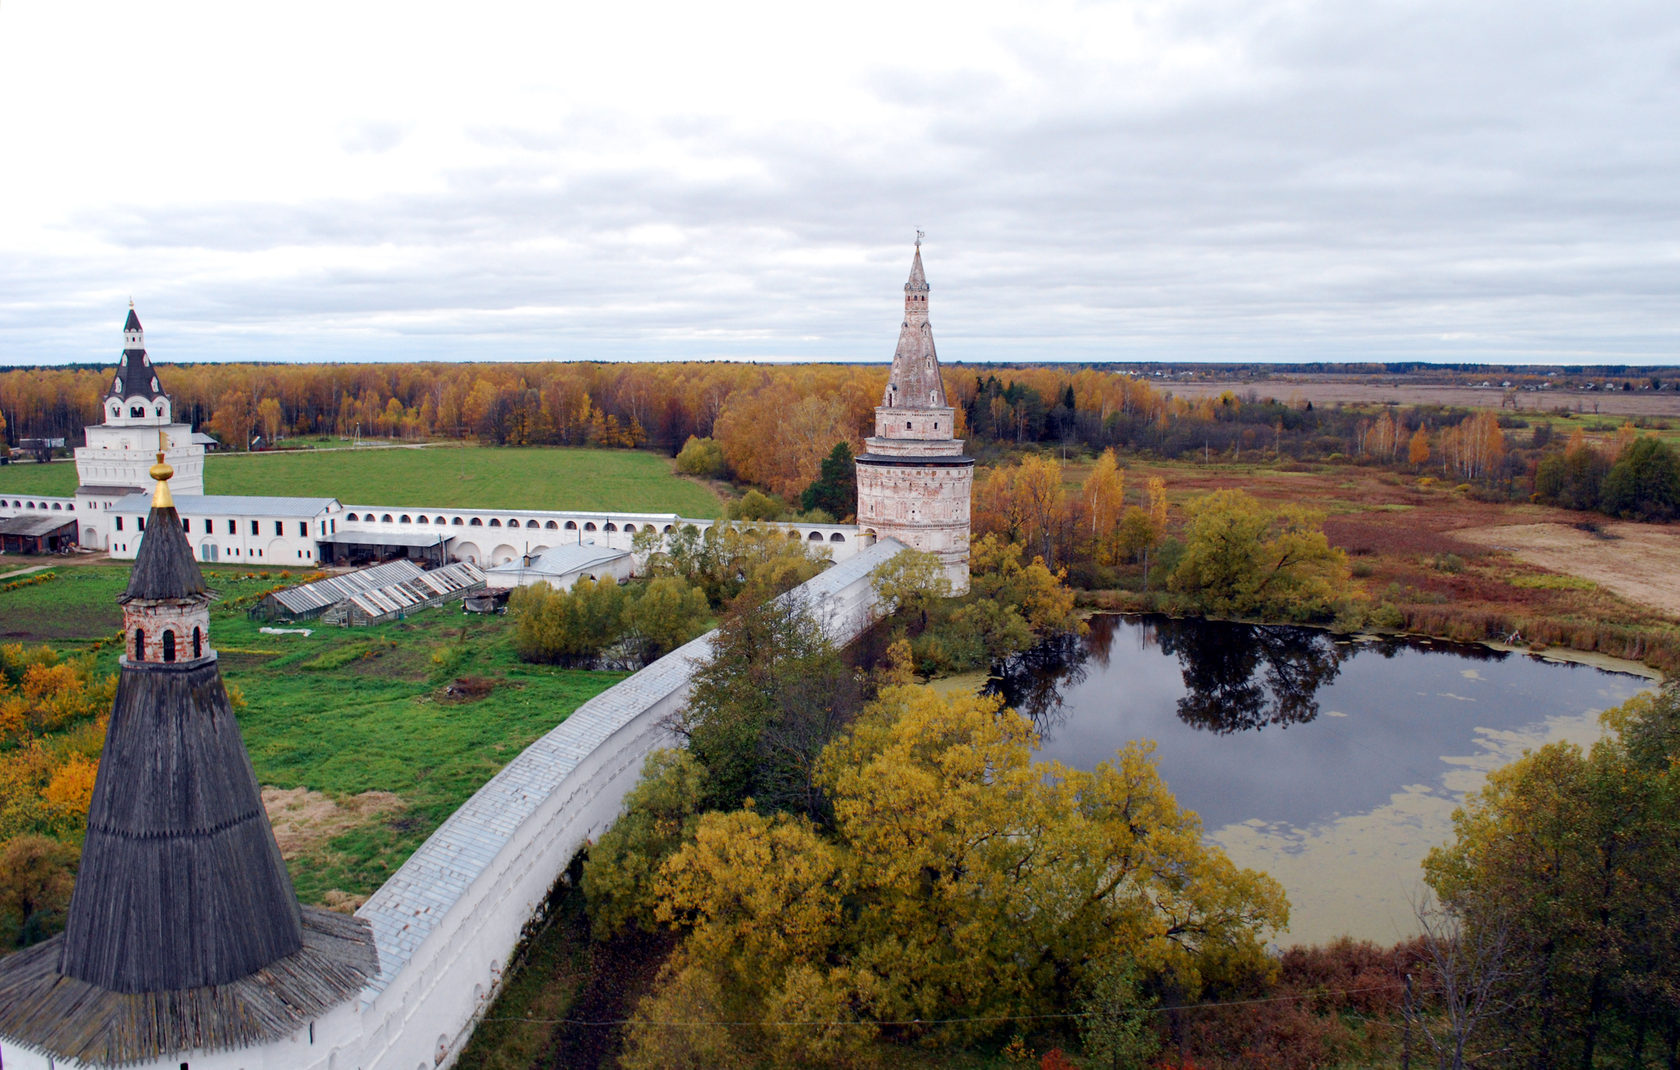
x: 919, y: 237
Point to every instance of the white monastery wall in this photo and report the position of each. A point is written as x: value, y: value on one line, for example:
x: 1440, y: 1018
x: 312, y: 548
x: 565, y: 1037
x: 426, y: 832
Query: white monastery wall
x: 447, y: 922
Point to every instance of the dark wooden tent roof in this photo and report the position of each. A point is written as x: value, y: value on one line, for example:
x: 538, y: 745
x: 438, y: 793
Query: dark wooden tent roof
x: 181, y: 884
x: 164, y: 567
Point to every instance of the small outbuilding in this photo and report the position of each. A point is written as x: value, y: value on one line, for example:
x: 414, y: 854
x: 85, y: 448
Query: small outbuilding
x: 37, y: 534
x: 395, y: 601
x: 560, y: 567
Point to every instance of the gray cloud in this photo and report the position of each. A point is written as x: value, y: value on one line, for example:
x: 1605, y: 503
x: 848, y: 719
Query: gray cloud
x: 1382, y: 181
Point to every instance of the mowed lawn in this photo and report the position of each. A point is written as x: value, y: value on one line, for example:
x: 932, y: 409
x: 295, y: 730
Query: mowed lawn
x: 343, y: 712
x: 56, y: 479
x: 442, y: 476
x: 465, y: 476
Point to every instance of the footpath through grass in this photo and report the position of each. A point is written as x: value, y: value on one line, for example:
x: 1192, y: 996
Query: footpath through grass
x: 343, y: 713
x: 444, y: 476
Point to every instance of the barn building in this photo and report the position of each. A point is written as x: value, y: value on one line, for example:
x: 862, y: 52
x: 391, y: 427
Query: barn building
x: 38, y: 533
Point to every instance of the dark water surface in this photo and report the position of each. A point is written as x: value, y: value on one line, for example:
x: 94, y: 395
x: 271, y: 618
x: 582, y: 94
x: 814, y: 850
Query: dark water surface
x: 1333, y: 764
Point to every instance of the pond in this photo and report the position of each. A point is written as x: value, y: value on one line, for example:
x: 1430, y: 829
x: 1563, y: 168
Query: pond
x: 1332, y: 763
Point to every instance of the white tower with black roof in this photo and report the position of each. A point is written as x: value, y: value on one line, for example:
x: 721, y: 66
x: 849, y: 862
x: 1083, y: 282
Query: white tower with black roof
x: 117, y: 459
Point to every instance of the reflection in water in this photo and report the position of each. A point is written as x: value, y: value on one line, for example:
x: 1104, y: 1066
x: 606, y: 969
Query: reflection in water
x: 1247, y: 676
x: 1033, y: 681
x: 1387, y: 738
x: 1236, y: 676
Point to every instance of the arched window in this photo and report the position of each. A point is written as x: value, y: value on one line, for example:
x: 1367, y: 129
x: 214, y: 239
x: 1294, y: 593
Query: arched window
x: 439, y: 520
x: 631, y: 528
x: 551, y: 526
x: 589, y: 525
x: 169, y: 645
x: 571, y: 525
x: 530, y: 523
x: 456, y: 522
x: 423, y: 519
x: 610, y: 526
x: 837, y: 537
x: 198, y: 643
x: 815, y: 536
x: 406, y: 519
x: 351, y: 518
x: 139, y: 644
x: 495, y: 522
x: 386, y: 519
x: 476, y: 523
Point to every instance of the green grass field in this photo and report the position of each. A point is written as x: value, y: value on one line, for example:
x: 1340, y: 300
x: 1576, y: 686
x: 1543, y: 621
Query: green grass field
x: 56, y: 479
x: 443, y: 476
x: 343, y: 711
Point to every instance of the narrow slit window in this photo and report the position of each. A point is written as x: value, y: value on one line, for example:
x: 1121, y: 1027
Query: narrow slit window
x: 169, y: 646
x: 139, y: 644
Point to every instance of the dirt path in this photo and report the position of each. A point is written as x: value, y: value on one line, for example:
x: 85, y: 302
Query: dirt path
x: 1640, y: 562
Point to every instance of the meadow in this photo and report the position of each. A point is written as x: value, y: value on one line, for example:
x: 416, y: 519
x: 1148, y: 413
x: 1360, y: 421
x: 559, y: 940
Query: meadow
x: 377, y: 734
x: 444, y: 476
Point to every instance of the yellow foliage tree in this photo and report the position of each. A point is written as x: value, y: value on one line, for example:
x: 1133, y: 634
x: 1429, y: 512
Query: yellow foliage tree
x: 1103, y: 495
x: 960, y: 879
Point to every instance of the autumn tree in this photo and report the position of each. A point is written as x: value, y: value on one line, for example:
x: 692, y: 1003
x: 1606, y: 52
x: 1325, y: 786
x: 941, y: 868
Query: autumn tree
x: 912, y: 581
x: 1573, y: 479
x: 235, y: 415
x: 1244, y: 559
x: 959, y: 879
x: 773, y: 693
x: 1573, y: 855
x: 1103, y: 496
x: 270, y: 419
x: 660, y: 815
x: 1644, y: 482
x: 1417, y: 450
x: 702, y: 457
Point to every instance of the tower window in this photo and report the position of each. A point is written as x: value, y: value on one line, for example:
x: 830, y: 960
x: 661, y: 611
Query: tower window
x: 907, y: 425
x: 198, y: 643
x: 137, y: 410
x: 139, y: 644
x: 169, y: 646
x: 186, y: 525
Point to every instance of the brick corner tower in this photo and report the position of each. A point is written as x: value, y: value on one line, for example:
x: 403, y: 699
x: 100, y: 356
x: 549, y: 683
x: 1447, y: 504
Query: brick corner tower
x: 914, y: 482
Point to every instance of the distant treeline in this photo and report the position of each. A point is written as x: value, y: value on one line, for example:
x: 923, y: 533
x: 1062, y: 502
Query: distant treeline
x: 772, y: 425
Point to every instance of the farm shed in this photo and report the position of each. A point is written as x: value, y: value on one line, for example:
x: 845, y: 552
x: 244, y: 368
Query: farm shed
x: 37, y: 534
x: 309, y: 600
x: 397, y: 600
x: 560, y: 567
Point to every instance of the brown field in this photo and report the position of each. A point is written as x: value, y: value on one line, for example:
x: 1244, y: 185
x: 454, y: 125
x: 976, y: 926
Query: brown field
x: 1432, y: 560
x: 1640, y: 562
x: 1378, y: 391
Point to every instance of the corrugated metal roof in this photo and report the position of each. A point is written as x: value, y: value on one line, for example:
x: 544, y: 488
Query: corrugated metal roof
x: 562, y: 560
x: 334, y: 589
x: 35, y: 524
x: 388, y: 538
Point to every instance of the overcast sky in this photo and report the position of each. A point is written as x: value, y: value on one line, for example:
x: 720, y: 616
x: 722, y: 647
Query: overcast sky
x: 1335, y: 180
